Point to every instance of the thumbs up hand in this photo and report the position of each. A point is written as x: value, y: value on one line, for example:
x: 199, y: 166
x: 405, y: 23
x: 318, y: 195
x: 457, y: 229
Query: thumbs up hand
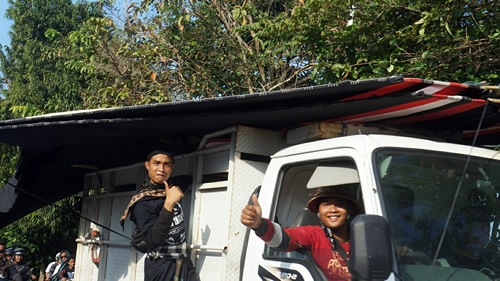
x: 251, y: 215
x: 173, y: 195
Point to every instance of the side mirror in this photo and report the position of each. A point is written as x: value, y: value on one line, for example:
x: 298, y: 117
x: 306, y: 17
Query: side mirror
x: 371, y: 248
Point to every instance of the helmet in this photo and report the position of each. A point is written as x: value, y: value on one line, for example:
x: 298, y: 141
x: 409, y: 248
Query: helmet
x: 57, y: 256
x: 8, y: 252
x: 19, y: 251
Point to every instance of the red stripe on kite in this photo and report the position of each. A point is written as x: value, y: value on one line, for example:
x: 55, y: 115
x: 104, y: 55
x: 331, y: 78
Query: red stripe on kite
x: 437, y: 114
x: 385, y: 110
x: 450, y: 91
x: 413, y: 80
x: 381, y: 91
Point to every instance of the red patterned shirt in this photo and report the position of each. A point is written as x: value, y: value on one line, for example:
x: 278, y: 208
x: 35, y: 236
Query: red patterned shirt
x: 309, y: 237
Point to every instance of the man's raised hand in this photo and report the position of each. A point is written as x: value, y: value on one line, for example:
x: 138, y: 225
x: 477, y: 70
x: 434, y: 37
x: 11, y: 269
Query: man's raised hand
x: 173, y: 195
x: 251, y: 215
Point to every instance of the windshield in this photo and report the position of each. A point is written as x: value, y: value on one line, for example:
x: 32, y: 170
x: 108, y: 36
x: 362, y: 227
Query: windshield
x: 419, y: 188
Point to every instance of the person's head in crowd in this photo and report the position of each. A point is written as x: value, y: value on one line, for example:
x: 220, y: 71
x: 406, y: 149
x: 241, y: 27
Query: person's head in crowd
x: 8, y: 254
x: 63, y: 256
x: 19, y: 255
x: 71, y: 262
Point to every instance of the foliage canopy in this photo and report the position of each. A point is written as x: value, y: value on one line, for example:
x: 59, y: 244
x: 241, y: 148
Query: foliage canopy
x: 174, y: 50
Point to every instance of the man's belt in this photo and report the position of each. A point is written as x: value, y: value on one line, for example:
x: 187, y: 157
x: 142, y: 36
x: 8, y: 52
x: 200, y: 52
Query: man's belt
x: 178, y: 257
x: 154, y: 255
x: 173, y: 252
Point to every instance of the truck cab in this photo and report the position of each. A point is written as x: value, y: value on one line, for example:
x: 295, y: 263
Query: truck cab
x: 435, y: 205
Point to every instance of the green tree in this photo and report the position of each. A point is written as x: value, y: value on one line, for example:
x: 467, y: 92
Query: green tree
x: 175, y: 50
x: 452, y: 41
x: 36, y: 83
x: 8, y: 154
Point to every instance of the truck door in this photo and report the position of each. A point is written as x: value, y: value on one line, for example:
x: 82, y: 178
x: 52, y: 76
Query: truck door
x: 290, y: 194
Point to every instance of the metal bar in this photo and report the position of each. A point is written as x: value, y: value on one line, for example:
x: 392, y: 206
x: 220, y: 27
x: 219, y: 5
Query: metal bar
x: 102, y: 242
x: 127, y: 244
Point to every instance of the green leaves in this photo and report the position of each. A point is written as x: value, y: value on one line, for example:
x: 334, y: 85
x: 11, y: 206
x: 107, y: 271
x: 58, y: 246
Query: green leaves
x: 198, y: 49
x: 34, y: 64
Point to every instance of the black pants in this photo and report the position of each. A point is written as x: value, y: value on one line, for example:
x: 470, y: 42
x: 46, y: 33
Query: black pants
x: 163, y: 269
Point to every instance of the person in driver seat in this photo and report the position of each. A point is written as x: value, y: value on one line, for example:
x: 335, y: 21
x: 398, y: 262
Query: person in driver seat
x: 328, y: 242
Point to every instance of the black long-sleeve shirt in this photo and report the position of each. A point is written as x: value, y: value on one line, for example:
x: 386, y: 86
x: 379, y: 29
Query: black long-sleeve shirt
x: 157, y: 226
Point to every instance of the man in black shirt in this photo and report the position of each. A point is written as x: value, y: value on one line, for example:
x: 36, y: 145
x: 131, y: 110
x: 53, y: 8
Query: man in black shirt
x: 159, y: 220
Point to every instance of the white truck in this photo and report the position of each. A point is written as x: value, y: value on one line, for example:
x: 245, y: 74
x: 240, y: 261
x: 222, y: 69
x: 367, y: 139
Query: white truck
x: 438, y: 201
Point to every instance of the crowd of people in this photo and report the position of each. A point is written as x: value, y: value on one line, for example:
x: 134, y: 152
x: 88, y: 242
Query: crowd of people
x: 62, y: 268
x: 14, y: 268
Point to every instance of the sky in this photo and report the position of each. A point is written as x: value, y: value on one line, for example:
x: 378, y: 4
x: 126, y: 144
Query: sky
x: 4, y: 24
